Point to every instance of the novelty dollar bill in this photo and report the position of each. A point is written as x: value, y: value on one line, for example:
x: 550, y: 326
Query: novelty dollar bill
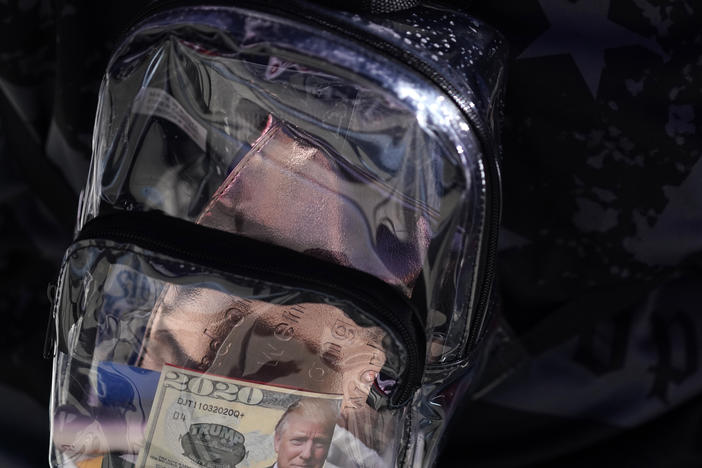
x: 202, y: 420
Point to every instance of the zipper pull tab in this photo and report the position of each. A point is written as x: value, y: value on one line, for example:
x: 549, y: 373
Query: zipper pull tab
x: 50, y: 335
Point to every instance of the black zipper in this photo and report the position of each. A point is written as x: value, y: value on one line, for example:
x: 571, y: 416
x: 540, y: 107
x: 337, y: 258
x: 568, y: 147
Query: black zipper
x: 238, y: 255
x: 486, y: 268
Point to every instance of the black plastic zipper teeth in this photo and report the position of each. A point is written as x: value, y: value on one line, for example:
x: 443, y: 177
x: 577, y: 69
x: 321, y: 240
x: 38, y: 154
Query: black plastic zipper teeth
x: 236, y: 254
x: 493, y: 206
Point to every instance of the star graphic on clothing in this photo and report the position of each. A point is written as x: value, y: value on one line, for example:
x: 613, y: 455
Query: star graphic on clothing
x: 582, y: 29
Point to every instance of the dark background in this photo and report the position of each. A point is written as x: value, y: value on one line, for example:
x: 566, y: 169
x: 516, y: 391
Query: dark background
x: 601, y: 248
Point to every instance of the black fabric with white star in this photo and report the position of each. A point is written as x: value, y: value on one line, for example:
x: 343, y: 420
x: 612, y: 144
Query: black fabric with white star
x: 602, y: 228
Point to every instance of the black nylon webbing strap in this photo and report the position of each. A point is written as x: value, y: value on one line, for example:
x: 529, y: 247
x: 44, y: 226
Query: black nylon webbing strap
x: 388, y: 6
x: 558, y: 327
x: 583, y: 312
x: 372, y: 6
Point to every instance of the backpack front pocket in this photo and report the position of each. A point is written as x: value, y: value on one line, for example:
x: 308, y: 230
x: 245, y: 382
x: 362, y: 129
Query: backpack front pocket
x: 127, y: 312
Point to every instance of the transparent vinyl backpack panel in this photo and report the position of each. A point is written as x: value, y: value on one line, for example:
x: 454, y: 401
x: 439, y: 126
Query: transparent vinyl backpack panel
x: 227, y: 122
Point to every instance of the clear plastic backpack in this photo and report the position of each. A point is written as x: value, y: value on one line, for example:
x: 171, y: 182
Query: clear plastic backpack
x: 284, y: 253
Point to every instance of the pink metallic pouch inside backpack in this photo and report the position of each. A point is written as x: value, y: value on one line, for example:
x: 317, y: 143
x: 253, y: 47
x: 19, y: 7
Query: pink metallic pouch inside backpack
x: 290, y: 192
